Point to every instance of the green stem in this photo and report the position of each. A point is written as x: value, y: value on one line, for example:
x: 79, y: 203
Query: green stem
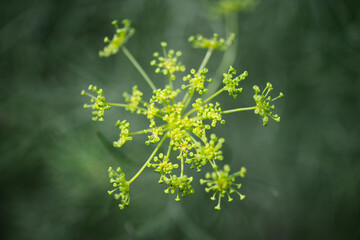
x: 90, y: 95
x: 116, y: 104
x: 188, y: 99
x: 140, y: 132
x: 228, y: 59
x: 182, y: 166
x: 206, y: 59
x: 188, y: 96
x: 238, y: 110
x: 168, y: 152
x: 207, y: 100
x: 215, y: 167
x: 138, y: 67
x: 170, y: 81
x: 214, y: 95
x: 146, y: 163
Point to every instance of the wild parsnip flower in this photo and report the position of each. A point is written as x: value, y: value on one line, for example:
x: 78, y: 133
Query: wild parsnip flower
x: 231, y: 83
x: 263, y: 101
x: 133, y: 100
x: 179, y: 121
x: 227, y: 7
x: 120, y: 37
x: 214, y: 43
x: 223, y: 183
x: 124, y: 133
x: 197, y: 81
x: 98, y: 103
x: 180, y: 185
x: 168, y: 63
x: 117, y: 178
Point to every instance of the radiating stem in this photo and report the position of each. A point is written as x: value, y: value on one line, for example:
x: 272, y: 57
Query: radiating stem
x: 149, y: 159
x: 207, y: 100
x: 182, y: 166
x: 138, y: 67
x: 116, y: 104
x: 238, y: 110
x: 187, y: 97
x: 214, y: 95
x: 228, y: 59
x: 140, y: 132
x: 206, y: 59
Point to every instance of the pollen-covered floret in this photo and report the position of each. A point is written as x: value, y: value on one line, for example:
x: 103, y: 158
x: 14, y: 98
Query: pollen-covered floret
x: 168, y: 63
x: 214, y: 43
x: 231, y: 83
x: 124, y: 133
x: 119, y: 39
x: 263, y: 107
x: 98, y: 103
x: 222, y: 183
x: 117, y: 179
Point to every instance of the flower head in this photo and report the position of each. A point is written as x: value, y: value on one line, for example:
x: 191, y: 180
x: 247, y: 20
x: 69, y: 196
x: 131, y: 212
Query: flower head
x: 168, y: 63
x: 231, y: 83
x: 263, y: 104
x: 120, y: 37
x: 214, y: 43
x: 98, y: 103
x: 117, y: 179
x: 124, y: 133
x: 180, y: 185
x: 197, y: 81
x: 223, y: 183
x: 133, y: 100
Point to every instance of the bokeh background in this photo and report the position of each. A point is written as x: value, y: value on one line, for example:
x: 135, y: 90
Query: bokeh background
x: 303, y: 178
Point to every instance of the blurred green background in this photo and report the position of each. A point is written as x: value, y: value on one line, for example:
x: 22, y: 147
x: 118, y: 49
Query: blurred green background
x: 303, y: 178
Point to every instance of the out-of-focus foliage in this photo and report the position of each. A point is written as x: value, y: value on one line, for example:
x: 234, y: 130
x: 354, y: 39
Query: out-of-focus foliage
x: 303, y: 175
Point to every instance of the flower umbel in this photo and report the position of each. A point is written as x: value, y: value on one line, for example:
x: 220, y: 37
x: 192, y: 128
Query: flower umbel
x: 98, y: 103
x: 179, y: 123
x: 120, y: 37
x: 263, y: 103
x: 223, y: 183
x: 214, y: 43
x: 117, y: 178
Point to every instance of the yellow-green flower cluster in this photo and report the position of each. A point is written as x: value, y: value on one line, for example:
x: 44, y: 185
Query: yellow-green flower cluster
x: 210, y: 151
x: 124, y: 133
x: 163, y: 166
x: 133, y: 100
x: 223, y: 183
x: 180, y: 185
x: 120, y: 37
x: 197, y: 81
x: 231, y: 83
x: 226, y: 7
x: 179, y: 121
x: 263, y: 101
x: 168, y: 63
x: 117, y: 179
x: 98, y: 103
x: 214, y: 43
